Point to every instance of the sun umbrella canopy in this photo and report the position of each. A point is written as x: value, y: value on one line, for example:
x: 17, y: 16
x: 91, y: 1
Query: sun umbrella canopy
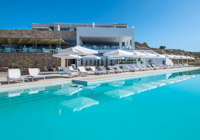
x: 91, y: 57
x: 79, y: 103
x: 66, y: 56
x: 181, y: 56
x: 168, y: 56
x: 78, y: 50
x: 150, y: 55
x: 118, y: 52
x: 160, y: 56
x: 117, y: 57
x: 138, y: 54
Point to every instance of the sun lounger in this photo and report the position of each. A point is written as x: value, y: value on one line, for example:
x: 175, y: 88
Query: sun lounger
x: 145, y: 67
x: 141, y: 67
x: 162, y: 67
x: 124, y: 70
x: 67, y: 71
x: 151, y: 67
x: 60, y: 70
x: 94, y: 69
x: 15, y: 75
x: 72, y: 69
x: 84, y: 72
x: 155, y: 67
x: 129, y: 68
x: 135, y: 68
x: 108, y: 71
x: 111, y: 68
x: 34, y: 72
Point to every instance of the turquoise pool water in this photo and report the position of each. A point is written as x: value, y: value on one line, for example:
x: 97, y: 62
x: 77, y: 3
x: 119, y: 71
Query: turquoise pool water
x: 162, y: 107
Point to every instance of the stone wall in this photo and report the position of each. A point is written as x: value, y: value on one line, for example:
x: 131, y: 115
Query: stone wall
x: 37, y: 34
x: 39, y: 60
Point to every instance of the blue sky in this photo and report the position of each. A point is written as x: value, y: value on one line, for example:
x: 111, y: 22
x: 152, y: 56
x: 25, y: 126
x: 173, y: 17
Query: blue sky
x: 171, y: 23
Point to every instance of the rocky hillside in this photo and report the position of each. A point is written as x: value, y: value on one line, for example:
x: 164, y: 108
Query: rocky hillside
x: 144, y: 46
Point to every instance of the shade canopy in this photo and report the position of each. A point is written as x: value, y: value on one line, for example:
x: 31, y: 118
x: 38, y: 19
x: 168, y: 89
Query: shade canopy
x: 138, y: 54
x: 168, y: 56
x: 150, y: 55
x: 78, y: 50
x: 91, y: 57
x: 116, y: 57
x: 160, y: 56
x: 118, y: 53
x: 66, y: 56
x: 181, y: 56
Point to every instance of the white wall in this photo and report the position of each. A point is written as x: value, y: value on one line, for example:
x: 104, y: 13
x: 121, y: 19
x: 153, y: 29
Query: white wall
x: 104, y: 32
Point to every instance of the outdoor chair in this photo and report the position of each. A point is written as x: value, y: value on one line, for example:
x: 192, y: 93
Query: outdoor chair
x: 108, y: 71
x: 129, y: 68
x: 7, y: 50
x: 60, y: 69
x: 141, y: 68
x: 72, y: 69
x: 34, y: 72
x: 162, y: 67
x: 111, y: 68
x: 145, y: 67
x: 152, y: 67
x: 135, y: 68
x: 25, y: 50
x: 15, y: 75
x: 67, y: 71
x: 124, y: 70
x: 94, y: 69
x: 84, y: 72
x: 155, y: 66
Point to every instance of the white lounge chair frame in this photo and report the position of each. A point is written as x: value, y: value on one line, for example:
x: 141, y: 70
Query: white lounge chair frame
x: 15, y: 75
x: 67, y: 71
x: 94, y: 69
x: 35, y: 73
x: 84, y: 72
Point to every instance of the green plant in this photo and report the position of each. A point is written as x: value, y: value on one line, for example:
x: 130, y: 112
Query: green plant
x: 86, y: 62
x: 81, y: 62
x: 90, y: 62
x: 145, y: 43
x: 139, y: 59
x: 162, y: 47
x: 141, y: 62
x: 95, y: 63
x: 35, y: 65
x: 111, y: 62
x: 102, y: 62
x: 21, y: 64
x: 106, y: 61
x: 150, y: 61
x: 98, y: 62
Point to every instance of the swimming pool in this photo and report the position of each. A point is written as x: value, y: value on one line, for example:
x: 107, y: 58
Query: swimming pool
x: 164, y: 106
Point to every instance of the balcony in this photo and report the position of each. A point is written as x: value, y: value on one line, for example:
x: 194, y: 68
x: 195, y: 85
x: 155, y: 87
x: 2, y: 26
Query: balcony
x: 106, y: 47
x: 29, y: 50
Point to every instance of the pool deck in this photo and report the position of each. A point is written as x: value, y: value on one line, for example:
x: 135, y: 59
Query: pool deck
x: 126, y: 75
x: 53, y: 78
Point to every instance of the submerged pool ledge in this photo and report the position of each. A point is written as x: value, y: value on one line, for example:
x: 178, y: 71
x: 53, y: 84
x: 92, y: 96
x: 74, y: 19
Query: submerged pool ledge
x: 114, y: 77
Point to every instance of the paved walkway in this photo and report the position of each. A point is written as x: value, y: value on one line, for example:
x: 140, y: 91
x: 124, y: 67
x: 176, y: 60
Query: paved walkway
x: 53, y: 76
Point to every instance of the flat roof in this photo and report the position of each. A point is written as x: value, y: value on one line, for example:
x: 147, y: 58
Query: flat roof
x: 74, y: 25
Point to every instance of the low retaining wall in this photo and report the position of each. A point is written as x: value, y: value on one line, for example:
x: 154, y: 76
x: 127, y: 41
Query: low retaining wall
x: 38, y: 60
